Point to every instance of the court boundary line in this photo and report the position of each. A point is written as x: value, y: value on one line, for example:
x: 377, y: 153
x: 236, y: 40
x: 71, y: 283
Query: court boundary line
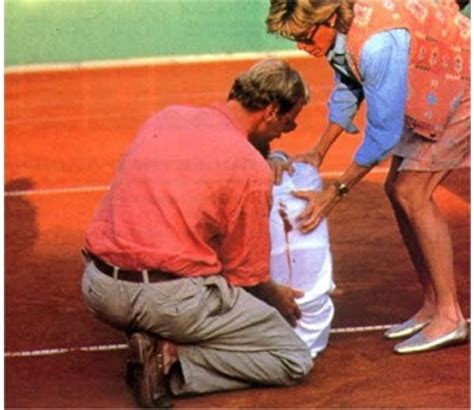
x: 52, y: 191
x: 123, y: 346
x: 150, y: 61
x: 101, y: 188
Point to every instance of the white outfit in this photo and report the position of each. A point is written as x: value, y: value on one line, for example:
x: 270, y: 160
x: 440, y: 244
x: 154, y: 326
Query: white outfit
x: 303, y: 261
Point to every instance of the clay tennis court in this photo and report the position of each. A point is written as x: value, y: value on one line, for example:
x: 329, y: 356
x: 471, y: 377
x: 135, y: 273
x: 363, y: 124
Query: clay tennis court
x: 64, y: 135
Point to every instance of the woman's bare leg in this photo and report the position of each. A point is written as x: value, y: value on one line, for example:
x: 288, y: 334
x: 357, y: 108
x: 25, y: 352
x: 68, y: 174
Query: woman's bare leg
x: 426, y: 235
x: 427, y: 308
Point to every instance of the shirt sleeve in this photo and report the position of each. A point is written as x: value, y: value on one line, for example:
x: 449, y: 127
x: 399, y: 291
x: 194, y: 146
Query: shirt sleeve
x: 384, y: 68
x: 245, y: 249
x: 344, y: 102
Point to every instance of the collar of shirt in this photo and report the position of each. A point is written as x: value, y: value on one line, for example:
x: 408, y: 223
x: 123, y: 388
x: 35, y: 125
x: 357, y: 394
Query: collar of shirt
x: 337, y: 56
x: 220, y: 107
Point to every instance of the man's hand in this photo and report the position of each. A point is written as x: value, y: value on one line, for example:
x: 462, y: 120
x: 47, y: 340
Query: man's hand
x: 318, y: 207
x: 287, y: 305
x: 280, y: 297
x: 278, y: 166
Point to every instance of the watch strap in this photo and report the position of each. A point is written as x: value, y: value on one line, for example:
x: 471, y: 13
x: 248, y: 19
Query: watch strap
x: 341, y: 188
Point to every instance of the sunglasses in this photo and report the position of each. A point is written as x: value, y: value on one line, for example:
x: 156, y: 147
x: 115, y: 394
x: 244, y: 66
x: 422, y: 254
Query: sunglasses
x: 307, y: 36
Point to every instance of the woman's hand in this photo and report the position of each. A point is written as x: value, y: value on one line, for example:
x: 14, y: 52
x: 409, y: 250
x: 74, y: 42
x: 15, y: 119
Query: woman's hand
x: 313, y: 158
x: 318, y: 207
x: 316, y: 156
x: 278, y: 167
x: 319, y: 204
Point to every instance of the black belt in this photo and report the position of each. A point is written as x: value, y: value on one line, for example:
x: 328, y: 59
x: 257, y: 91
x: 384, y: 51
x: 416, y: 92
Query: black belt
x: 137, y: 276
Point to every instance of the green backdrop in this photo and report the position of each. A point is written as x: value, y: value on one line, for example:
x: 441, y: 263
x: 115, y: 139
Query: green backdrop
x: 58, y: 31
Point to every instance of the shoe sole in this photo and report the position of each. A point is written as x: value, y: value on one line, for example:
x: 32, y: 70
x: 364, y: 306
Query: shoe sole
x: 149, y: 391
x: 430, y: 347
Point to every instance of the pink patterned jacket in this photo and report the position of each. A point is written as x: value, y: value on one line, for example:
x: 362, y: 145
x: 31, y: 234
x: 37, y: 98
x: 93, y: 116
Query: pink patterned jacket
x: 439, y: 70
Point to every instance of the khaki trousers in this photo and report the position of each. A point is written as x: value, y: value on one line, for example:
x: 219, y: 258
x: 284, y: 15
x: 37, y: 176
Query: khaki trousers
x: 227, y: 339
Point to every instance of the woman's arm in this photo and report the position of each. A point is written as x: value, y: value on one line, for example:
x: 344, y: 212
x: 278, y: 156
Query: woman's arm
x: 321, y: 203
x: 343, y: 105
x: 329, y: 136
x: 384, y: 67
x: 385, y: 70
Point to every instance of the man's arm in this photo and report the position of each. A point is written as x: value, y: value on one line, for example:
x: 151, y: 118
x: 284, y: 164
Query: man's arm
x: 245, y: 254
x: 280, y: 297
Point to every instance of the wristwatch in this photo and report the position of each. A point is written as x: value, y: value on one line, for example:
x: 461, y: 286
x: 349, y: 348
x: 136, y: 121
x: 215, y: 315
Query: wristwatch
x: 341, y: 189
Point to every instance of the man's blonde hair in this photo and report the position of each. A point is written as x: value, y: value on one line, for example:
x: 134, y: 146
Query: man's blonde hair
x: 270, y: 82
x: 292, y: 18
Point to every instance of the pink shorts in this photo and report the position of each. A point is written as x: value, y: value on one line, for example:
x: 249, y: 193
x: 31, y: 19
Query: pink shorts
x: 452, y: 149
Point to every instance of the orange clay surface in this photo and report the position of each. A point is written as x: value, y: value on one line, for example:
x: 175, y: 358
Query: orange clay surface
x: 69, y: 129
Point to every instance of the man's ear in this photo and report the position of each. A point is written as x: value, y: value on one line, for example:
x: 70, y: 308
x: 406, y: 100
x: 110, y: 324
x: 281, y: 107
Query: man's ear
x: 270, y: 112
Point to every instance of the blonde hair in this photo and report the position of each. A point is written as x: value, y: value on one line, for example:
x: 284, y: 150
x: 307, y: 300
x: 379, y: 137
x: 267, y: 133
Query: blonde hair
x: 270, y: 81
x: 292, y: 18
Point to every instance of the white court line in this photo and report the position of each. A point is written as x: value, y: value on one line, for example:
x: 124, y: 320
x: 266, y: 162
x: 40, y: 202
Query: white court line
x: 147, y: 61
x: 123, y: 346
x: 70, y: 118
x: 100, y: 188
x: 52, y: 191
x: 113, y: 347
x: 54, y: 352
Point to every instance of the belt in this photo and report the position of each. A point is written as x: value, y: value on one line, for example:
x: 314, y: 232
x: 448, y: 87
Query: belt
x: 137, y: 276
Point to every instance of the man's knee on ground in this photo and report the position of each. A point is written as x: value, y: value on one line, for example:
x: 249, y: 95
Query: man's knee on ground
x: 295, y: 369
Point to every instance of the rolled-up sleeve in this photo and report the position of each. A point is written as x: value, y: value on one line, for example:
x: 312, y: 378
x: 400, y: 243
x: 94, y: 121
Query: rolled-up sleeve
x: 344, y: 102
x: 384, y: 68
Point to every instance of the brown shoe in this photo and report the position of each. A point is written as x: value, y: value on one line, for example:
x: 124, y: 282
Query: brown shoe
x: 145, y: 371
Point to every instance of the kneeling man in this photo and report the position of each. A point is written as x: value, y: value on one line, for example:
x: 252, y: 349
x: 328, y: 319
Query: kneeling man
x: 179, y: 248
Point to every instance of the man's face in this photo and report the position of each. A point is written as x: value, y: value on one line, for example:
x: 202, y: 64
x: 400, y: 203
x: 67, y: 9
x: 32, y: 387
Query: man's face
x: 274, y: 125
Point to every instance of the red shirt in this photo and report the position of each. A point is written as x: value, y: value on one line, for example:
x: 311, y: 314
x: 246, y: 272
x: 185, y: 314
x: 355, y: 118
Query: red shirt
x: 191, y: 196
